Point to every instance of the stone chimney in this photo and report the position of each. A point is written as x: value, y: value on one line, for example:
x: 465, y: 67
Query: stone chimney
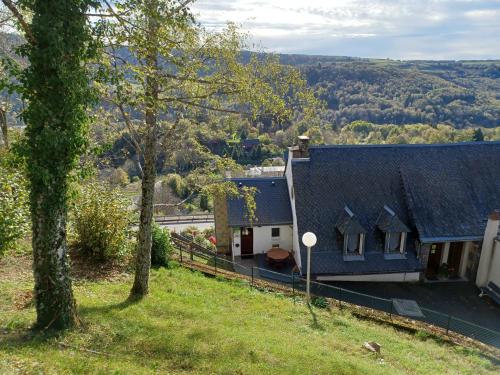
x: 302, y: 148
x: 489, y: 249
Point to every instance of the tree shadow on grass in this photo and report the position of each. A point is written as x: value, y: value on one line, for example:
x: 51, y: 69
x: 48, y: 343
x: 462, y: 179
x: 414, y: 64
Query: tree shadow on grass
x: 314, y: 324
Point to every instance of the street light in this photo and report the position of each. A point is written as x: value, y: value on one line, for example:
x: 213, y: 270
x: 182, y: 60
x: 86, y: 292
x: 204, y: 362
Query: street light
x: 309, y: 239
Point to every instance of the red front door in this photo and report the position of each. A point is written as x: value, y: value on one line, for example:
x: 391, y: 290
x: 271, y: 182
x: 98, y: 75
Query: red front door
x: 246, y: 241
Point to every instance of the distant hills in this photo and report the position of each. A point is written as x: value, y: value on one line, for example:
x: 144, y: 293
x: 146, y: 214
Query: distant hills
x: 459, y: 93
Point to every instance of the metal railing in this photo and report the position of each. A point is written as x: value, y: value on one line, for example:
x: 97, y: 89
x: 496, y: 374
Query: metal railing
x: 194, y: 252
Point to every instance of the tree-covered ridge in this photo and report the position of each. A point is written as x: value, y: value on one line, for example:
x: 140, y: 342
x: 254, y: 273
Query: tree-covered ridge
x: 461, y: 94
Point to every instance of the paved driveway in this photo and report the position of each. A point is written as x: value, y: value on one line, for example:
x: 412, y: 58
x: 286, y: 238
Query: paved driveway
x: 460, y: 299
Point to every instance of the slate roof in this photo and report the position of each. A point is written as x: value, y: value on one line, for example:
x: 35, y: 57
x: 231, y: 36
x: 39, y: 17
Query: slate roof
x: 272, y: 201
x: 440, y: 192
x: 388, y: 221
x: 348, y: 223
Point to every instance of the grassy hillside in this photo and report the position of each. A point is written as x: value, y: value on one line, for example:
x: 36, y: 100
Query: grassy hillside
x: 192, y: 324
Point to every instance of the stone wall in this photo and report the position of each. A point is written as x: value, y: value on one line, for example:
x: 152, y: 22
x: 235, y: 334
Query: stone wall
x: 222, y: 229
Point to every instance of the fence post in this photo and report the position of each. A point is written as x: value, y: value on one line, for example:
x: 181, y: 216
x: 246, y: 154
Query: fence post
x: 251, y: 284
x: 215, y: 261
x: 293, y: 286
x: 448, y: 325
x: 340, y: 299
x: 180, y: 249
x: 191, y: 256
x: 392, y: 307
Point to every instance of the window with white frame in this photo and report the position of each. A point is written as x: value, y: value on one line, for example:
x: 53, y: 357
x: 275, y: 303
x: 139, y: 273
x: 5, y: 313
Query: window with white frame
x: 353, y: 243
x: 275, y: 232
x: 395, y: 242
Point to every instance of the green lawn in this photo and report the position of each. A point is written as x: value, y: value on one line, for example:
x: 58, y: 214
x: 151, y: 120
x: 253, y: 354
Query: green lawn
x: 192, y: 324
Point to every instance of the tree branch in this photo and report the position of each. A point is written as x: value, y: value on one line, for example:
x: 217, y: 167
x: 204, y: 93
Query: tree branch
x: 210, y: 108
x: 20, y: 18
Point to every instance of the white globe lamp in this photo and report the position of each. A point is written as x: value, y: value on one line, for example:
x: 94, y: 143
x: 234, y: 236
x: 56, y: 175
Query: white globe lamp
x: 309, y: 240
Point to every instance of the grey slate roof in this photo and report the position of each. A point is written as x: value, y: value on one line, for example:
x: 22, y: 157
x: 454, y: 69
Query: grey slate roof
x: 440, y: 191
x: 272, y: 201
x: 388, y: 221
x: 348, y: 223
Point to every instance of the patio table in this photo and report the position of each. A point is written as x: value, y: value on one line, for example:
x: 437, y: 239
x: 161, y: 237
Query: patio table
x: 277, y: 255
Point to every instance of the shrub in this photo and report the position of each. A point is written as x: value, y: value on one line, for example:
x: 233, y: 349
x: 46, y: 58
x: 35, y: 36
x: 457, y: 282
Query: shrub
x: 101, y: 221
x: 14, y: 209
x: 178, y: 185
x: 319, y: 302
x: 161, y: 247
x: 119, y: 177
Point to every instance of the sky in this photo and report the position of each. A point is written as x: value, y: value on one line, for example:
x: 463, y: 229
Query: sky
x: 396, y: 29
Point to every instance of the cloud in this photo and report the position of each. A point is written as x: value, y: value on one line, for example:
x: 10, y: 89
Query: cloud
x: 402, y: 29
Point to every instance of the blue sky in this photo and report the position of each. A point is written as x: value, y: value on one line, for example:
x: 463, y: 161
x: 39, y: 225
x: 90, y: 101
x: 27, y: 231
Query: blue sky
x: 397, y: 29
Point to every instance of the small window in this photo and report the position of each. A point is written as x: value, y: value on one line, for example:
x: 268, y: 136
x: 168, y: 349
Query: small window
x: 276, y: 245
x: 395, y: 242
x: 275, y: 232
x: 353, y: 244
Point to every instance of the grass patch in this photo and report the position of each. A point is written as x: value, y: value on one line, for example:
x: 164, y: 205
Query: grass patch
x: 191, y: 324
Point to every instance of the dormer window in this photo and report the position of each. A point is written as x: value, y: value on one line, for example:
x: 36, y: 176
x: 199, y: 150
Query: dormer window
x: 395, y: 231
x: 395, y: 242
x: 353, y: 234
x: 353, y: 243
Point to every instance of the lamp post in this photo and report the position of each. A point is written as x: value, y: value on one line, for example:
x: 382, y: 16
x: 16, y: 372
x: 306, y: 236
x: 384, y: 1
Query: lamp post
x: 309, y: 240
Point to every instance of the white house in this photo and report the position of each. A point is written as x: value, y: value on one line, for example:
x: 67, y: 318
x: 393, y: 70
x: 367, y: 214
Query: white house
x: 380, y: 212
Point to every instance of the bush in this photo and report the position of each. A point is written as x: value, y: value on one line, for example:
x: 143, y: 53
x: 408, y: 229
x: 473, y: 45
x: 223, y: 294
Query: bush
x: 161, y: 247
x: 100, y: 219
x: 119, y: 177
x: 14, y: 209
x: 319, y: 302
x: 178, y: 185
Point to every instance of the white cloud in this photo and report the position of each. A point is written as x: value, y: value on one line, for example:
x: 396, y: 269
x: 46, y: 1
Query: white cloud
x: 448, y: 29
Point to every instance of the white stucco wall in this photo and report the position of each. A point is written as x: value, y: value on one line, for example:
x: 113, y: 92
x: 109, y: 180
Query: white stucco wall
x: 295, y: 233
x: 494, y: 274
x: 388, y: 277
x: 236, y: 242
x: 262, y: 240
x: 486, y: 271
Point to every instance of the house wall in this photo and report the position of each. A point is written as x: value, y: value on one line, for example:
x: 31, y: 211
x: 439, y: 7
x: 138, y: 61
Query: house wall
x: 262, y: 239
x: 388, y: 277
x: 489, y: 262
x: 494, y: 275
x: 295, y: 231
x: 222, y: 229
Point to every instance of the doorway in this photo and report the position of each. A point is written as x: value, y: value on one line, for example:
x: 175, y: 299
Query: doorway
x: 454, y: 259
x: 246, y: 242
x: 434, y: 261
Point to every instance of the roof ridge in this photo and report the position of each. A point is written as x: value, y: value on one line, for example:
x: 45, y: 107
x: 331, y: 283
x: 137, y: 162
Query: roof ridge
x: 413, y: 145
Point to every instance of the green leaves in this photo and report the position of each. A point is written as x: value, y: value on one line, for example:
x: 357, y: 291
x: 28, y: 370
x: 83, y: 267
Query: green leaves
x: 14, y: 212
x: 100, y: 219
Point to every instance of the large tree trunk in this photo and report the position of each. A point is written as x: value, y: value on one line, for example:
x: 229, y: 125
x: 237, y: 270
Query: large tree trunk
x: 55, y: 305
x: 144, y: 240
x: 3, y: 127
x: 143, y: 250
x: 57, y: 92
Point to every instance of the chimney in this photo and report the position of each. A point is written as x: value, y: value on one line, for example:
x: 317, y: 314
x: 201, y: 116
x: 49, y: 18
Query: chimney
x: 302, y: 149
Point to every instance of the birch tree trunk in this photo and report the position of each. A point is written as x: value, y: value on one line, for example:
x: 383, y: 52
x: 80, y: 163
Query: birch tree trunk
x: 144, y: 240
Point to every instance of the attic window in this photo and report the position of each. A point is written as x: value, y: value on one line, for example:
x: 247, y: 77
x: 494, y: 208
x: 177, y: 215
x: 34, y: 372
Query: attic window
x: 354, y: 243
x: 353, y: 233
x: 395, y: 242
x: 395, y: 231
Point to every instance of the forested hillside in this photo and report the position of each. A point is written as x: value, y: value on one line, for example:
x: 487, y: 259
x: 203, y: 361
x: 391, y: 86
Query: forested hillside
x: 459, y: 93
